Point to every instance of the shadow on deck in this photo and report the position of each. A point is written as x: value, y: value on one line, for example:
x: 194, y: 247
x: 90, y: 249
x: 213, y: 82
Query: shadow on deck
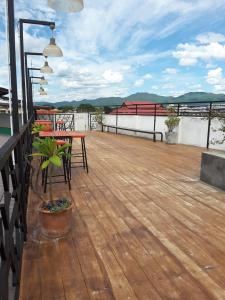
x: 144, y: 227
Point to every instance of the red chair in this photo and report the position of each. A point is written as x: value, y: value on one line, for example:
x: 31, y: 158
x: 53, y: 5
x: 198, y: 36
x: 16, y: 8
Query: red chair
x: 82, y: 154
x: 47, y: 125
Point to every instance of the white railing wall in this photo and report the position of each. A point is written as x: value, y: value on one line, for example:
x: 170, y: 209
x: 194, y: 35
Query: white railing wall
x: 191, y: 130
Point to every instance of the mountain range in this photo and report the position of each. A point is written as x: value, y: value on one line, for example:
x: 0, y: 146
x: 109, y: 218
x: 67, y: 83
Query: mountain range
x: 111, y: 101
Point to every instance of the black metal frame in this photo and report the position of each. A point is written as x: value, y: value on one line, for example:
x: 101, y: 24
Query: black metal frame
x: 14, y: 166
x: 15, y: 173
x: 28, y: 83
x: 24, y: 63
x: 153, y: 133
x: 207, y: 114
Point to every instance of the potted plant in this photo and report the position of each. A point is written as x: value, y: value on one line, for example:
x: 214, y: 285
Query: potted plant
x: 55, y: 215
x: 36, y: 128
x: 171, y: 122
x: 99, y: 117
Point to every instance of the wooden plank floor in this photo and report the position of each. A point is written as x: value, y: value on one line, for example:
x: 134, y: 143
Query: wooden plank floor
x: 144, y: 227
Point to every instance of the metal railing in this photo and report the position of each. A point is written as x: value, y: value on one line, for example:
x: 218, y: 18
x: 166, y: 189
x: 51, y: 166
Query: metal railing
x: 14, y: 186
x: 206, y: 110
x: 67, y: 118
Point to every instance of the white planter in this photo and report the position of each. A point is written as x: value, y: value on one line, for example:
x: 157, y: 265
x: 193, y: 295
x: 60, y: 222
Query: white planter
x: 171, y: 137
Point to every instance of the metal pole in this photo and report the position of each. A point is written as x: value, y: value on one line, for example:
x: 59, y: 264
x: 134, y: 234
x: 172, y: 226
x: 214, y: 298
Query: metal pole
x: 155, y: 117
x: 24, y: 99
x: 12, y: 66
x: 90, y: 117
x: 23, y: 66
x: 31, y: 97
x: 28, y: 84
x: 209, y: 124
x: 116, y: 119
x: 27, y: 90
x: 178, y: 109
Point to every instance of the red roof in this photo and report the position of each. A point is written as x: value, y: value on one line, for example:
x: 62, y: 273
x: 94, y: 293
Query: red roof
x: 140, y: 108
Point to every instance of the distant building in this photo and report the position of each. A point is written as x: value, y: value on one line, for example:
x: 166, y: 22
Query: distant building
x: 140, y: 108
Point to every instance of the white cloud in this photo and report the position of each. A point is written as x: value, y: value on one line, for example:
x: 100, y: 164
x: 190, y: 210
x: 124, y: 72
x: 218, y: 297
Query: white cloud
x: 170, y: 71
x: 210, y: 37
x: 216, y: 79
x: 210, y: 48
x: 177, y: 93
x: 168, y: 86
x: 139, y: 82
x: 147, y: 76
x: 104, y: 47
x: 210, y: 66
x: 4, y: 76
x: 112, y: 77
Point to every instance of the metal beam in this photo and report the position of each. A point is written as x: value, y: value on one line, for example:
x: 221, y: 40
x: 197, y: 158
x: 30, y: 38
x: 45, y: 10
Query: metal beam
x: 37, y: 22
x: 23, y: 71
x: 12, y: 64
x: 35, y: 69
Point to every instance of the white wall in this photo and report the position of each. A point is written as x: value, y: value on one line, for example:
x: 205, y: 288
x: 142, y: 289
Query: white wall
x: 191, y: 130
x: 81, y: 121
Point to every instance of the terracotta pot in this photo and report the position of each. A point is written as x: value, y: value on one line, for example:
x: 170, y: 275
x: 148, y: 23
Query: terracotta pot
x: 57, y: 224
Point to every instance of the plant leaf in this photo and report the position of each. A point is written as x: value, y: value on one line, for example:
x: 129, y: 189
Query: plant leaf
x: 45, y: 164
x: 55, y: 160
x: 38, y: 154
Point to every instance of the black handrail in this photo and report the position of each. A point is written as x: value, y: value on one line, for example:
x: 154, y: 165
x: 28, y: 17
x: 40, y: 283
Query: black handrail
x: 14, y: 186
x: 205, y: 111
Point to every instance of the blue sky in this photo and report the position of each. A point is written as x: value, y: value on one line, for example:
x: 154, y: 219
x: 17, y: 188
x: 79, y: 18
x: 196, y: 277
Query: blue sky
x: 116, y: 48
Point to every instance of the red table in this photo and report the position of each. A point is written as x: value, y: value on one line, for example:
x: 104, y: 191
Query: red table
x: 69, y: 134
x: 61, y: 134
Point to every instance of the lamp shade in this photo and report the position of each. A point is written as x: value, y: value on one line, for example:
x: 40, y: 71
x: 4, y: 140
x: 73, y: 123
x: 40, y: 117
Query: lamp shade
x: 46, y: 69
x: 42, y: 91
x: 43, y: 81
x: 66, y: 5
x: 52, y: 49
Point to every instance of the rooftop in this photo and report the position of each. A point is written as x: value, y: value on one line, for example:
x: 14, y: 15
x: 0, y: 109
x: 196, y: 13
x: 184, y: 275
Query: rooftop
x: 145, y: 227
x: 140, y: 108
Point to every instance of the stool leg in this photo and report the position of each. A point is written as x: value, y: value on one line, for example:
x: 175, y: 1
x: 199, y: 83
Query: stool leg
x: 45, y: 179
x: 82, y: 145
x: 85, y: 155
x: 64, y: 169
x: 42, y: 174
x: 68, y: 174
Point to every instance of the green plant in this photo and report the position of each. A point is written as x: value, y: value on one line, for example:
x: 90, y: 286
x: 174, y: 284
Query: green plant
x: 36, y: 128
x: 47, y: 148
x: 99, y: 117
x: 220, y: 116
x: 172, y: 121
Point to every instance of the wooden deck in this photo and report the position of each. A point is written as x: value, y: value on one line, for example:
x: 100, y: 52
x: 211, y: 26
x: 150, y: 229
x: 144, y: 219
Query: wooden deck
x: 144, y: 227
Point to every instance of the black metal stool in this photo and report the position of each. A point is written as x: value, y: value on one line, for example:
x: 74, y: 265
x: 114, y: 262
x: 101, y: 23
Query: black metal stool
x: 66, y: 169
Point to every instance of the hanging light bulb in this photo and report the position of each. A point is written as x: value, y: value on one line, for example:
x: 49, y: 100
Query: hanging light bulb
x: 52, y: 49
x: 46, y: 69
x: 43, y: 80
x: 66, y: 5
x: 42, y: 91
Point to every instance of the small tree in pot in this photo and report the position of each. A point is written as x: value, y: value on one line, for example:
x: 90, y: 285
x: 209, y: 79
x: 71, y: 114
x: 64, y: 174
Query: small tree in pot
x: 55, y: 215
x: 171, y: 122
x: 99, y: 116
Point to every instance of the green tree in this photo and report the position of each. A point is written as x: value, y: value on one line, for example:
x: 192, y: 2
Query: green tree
x: 66, y: 108
x: 99, y: 115
x: 85, y: 108
x: 107, y: 109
